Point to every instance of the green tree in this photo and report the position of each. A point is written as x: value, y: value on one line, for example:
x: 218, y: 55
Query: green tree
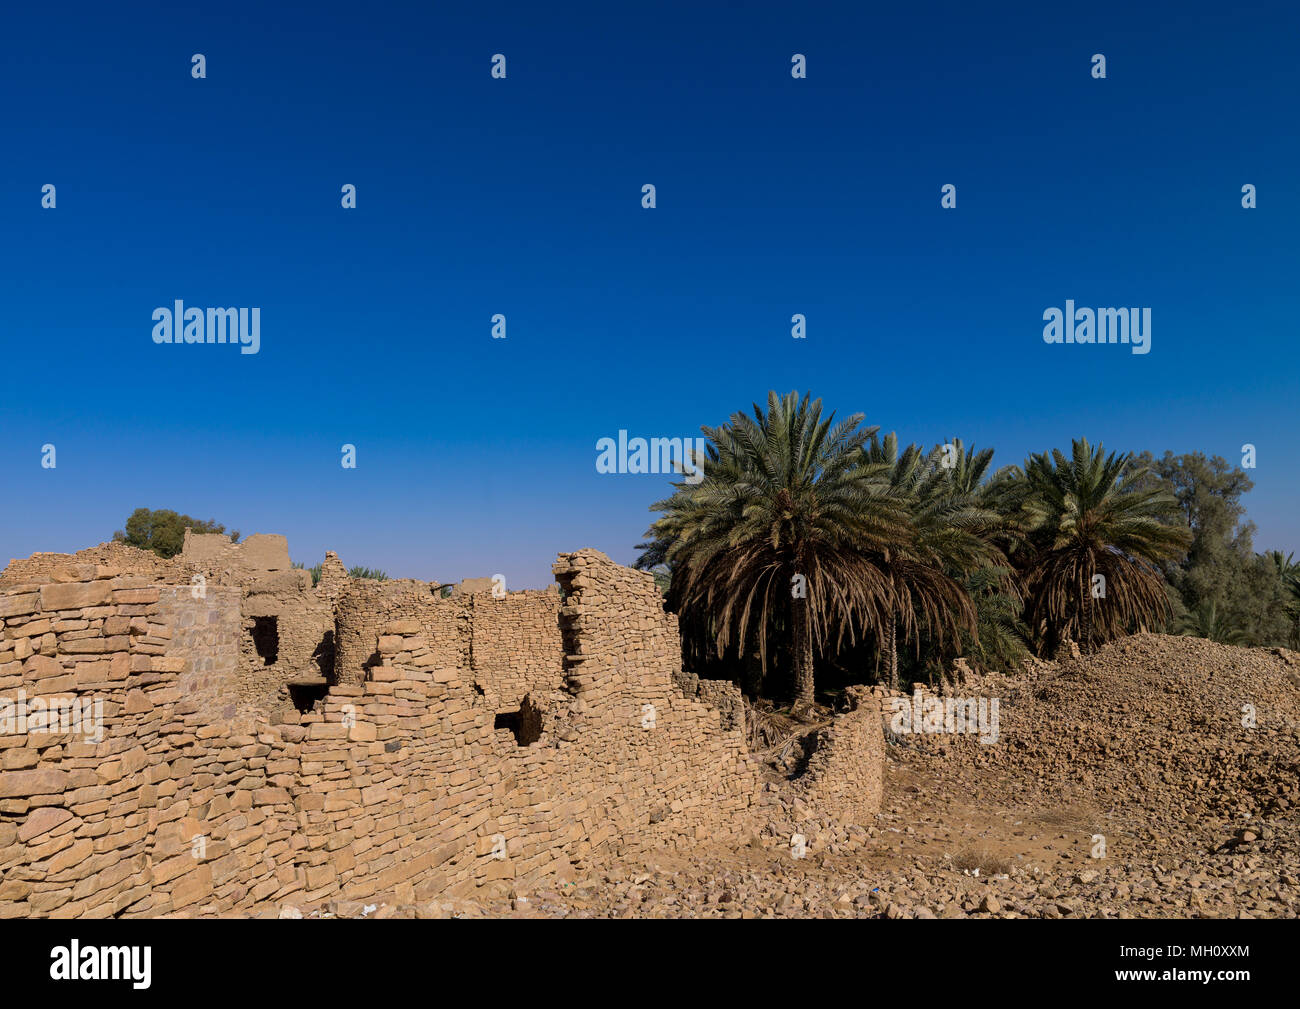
x: 1092, y: 515
x: 163, y: 531
x: 1209, y: 494
x: 1221, y: 573
x: 1289, y: 575
x: 1000, y: 634
x: 1206, y: 622
x: 949, y: 538
x: 790, y: 526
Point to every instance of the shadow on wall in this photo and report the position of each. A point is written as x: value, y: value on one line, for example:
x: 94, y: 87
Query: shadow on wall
x: 525, y: 724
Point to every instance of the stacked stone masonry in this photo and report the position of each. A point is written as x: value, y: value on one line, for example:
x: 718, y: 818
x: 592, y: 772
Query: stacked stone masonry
x: 453, y: 742
x: 844, y: 767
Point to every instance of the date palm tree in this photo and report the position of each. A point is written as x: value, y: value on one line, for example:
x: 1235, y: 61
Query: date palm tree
x: 1206, y: 622
x: 1288, y: 572
x: 951, y: 538
x: 1086, y: 516
x: 789, y: 524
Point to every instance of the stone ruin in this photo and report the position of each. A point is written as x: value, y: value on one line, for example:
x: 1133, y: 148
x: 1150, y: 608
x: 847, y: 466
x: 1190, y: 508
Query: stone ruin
x: 266, y: 740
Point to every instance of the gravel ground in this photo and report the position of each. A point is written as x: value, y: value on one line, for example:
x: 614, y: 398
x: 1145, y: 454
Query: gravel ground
x: 1122, y: 785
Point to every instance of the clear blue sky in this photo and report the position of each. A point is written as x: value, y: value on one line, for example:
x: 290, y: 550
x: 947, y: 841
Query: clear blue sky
x: 523, y: 197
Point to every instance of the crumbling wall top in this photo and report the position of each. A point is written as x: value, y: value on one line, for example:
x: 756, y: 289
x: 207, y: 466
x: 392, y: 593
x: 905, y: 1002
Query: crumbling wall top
x: 259, y: 552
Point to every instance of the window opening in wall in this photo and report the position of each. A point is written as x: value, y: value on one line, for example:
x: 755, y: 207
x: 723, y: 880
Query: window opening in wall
x: 305, y: 694
x: 525, y: 724
x: 266, y: 639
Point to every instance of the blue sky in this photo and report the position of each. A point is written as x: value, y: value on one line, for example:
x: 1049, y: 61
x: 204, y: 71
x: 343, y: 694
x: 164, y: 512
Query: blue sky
x: 522, y: 196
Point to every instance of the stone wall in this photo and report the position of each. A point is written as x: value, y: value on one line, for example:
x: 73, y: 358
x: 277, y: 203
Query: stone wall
x: 514, y: 646
x: 45, y: 566
x: 204, y: 637
x: 844, y: 775
x: 411, y: 780
x: 475, y: 742
x: 216, y: 552
x: 288, y: 636
x: 365, y: 606
x: 89, y: 809
x: 508, y: 646
x: 656, y: 764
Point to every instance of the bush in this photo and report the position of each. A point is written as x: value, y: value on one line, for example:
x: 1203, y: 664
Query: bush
x: 163, y: 531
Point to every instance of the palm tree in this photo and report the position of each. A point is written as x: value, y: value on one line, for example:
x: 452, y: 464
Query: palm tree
x: 950, y: 539
x: 788, y: 523
x: 999, y: 638
x: 1283, y: 564
x: 1087, y: 516
x: 1205, y: 622
x: 1293, y: 609
x: 1288, y: 572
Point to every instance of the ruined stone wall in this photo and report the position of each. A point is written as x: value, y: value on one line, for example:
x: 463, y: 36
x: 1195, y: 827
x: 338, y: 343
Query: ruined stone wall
x: 288, y: 636
x: 654, y: 764
x: 365, y: 606
x: 421, y: 777
x: 844, y: 776
x: 408, y: 781
x: 411, y: 775
x: 91, y: 813
x: 507, y: 646
x: 515, y: 647
x: 215, y: 552
x: 408, y: 788
x: 46, y: 567
x: 204, y: 640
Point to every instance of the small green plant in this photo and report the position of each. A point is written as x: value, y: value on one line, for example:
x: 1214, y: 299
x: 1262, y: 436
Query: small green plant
x: 363, y: 572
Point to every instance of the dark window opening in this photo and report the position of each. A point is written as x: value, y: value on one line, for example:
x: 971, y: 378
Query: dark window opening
x: 525, y: 724
x: 507, y: 720
x: 305, y: 695
x: 266, y: 639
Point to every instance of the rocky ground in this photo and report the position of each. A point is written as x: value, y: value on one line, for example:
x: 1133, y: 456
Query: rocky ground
x: 1158, y: 778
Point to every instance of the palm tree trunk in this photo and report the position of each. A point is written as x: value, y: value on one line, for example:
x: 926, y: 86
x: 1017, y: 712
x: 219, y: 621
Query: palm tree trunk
x: 1085, y: 619
x: 803, y: 654
x: 891, y: 649
x: 753, y: 673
